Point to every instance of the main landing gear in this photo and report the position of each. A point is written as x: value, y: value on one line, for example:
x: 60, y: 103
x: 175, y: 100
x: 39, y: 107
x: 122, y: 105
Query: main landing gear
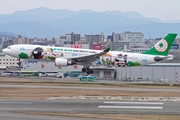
x: 87, y: 70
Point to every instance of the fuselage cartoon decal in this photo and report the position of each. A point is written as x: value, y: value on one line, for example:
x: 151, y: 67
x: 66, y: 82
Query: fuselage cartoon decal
x: 119, y: 60
x: 133, y: 63
x: 37, y: 53
x: 50, y: 50
x: 23, y: 55
x: 43, y: 54
x: 51, y: 54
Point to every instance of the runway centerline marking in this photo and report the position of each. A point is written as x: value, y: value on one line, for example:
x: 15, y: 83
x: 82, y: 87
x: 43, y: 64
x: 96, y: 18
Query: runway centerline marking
x: 16, y: 102
x: 155, y: 103
x: 131, y: 107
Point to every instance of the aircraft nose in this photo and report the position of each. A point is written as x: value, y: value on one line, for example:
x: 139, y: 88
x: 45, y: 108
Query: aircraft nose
x: 3, y: 50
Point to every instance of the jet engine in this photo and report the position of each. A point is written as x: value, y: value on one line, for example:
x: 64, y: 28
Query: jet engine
x: 63, y: 62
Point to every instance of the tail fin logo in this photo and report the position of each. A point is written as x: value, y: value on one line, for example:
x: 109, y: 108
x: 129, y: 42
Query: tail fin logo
x: 161, y: 46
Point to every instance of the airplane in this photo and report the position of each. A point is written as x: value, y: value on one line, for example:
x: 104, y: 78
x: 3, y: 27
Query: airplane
x: 63, y: 56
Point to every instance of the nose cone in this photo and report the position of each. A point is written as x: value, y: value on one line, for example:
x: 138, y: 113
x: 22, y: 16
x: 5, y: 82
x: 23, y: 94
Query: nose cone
x: 4, y: 51
x: 10, y: 52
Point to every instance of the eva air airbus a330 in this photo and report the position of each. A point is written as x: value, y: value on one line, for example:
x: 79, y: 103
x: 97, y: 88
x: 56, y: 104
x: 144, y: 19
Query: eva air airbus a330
x: 63, y: 56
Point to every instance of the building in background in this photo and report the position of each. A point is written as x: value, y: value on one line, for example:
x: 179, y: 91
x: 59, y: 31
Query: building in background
x: 21, y: 40
x: 116, y: 45
x: 178, y: 42
x: 7, y: 42
x: 96, y: 46
x: 101, y: 46
x: 60, y: 41
x: 134, y: 38
x: 35, y: 65
x: 83, y: 46
x: 93, y: 39
x: 7, y: 61
x: 109, y: 38
x: 115, y: 37
x: 67, y: 39
x: 1, y: 44
x: 74, y: 37
x: 40, y: 41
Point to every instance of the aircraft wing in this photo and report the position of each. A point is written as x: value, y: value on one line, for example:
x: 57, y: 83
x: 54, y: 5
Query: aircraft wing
x: 89, y: 58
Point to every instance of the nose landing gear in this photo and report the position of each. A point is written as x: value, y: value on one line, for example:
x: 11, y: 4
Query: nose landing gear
x: 20, y: 64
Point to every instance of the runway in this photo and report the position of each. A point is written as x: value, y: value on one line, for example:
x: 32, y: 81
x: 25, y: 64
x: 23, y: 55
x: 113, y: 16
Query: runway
x: 17, y: 109
x: 90, y: 107
x: 91, y: 88
x: 17, y: 116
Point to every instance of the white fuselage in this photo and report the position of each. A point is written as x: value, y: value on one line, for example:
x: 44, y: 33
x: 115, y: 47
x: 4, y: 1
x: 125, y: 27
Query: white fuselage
x: 50, y: 53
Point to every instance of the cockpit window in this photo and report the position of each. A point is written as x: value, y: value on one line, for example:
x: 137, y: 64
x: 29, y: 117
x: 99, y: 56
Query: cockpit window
x: 8, y: 47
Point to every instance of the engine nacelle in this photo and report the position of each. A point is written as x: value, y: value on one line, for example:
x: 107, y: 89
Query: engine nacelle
x: 63, y: 62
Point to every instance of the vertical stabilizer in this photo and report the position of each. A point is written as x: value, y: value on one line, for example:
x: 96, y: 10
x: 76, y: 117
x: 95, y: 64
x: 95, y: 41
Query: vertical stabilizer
x: 163, y: 46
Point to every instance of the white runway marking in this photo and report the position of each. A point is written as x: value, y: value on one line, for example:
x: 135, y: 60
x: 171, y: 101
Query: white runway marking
x: 152, y: 103
x: 16, y: 102
x: 131, y: 107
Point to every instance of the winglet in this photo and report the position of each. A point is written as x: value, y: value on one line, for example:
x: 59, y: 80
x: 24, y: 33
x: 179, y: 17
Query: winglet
x: 106, y: 50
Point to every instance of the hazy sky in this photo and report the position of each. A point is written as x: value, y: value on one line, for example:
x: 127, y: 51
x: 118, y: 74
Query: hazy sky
x: 162, y: 9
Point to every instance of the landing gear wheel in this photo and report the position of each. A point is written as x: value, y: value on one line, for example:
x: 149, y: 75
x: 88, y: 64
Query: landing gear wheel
x: 83, y: 69
x: 20, y: 64
x: 87, y: 70
x: 91, y: 71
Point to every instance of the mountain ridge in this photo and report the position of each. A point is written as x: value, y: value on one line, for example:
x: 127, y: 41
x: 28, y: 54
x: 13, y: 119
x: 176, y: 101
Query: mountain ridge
x: 45, y: 22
